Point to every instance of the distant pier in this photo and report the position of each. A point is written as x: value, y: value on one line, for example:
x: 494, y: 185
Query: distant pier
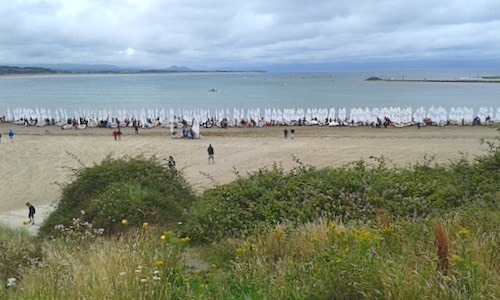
x: 485, y: 79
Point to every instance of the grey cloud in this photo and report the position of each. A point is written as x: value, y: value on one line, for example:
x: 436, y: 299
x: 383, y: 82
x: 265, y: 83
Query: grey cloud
x: 211, y: 34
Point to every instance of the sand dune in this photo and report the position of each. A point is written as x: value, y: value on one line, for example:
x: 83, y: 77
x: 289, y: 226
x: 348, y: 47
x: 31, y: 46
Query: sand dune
x: 40, y: 160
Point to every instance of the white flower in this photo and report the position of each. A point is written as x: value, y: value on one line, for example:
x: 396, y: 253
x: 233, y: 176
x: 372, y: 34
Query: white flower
x: 156, y: 278
x: 82, y: 212
x: 156, y: 272
x: 122, y: 273
x: 144, y: 280
x: 11, y: 281
x: 179, y: 223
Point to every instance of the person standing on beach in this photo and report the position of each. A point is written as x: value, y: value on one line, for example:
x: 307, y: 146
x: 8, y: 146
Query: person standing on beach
x: 0, y: 137
x: 31, y: 213
x: 11, y: 135
x: 210, y: 151
x: 285, y: 132
x: 119, y: 134
x: 171, y: 162
x: 115, y: 134
x: 292, y: 133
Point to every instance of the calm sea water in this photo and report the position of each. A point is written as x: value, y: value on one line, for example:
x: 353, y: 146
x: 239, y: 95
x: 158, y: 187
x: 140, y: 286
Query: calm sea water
x: 242, y: 91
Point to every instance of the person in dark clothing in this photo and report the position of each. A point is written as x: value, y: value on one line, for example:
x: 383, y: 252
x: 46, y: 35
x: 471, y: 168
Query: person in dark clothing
x: 171, y: 162
x: 210, y: 154
x: 285, y: 132
x: 31, y: 213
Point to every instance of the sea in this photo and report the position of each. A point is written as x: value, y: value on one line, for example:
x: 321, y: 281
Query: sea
x: 241, y: 90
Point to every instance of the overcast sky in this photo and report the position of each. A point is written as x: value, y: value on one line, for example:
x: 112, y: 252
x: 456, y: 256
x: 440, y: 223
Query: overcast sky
x: 218, y: 34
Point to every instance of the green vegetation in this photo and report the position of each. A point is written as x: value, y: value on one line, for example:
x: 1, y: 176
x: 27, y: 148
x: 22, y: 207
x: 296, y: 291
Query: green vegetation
x: 362, y: 231
x: 7, y: 70
x: 131, y: 189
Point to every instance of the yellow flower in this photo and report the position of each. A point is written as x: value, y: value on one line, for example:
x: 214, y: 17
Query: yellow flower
x: 332, y: 225
x: 315, y: 239
x: 159, y: 262
x: 168, y: 234
x: 185, y: 240
x: 124, y: 222
x: 447, y: 279
x: 464, y: 231
x: 163, y: 237
x: 455, y: 257
x: 214, y: 266
x: 361, y: 234
x: 241, y: 251
x: 340, y: 231
x: 145, y: 225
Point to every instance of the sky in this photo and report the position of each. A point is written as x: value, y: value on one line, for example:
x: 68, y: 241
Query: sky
x: 250, y: 34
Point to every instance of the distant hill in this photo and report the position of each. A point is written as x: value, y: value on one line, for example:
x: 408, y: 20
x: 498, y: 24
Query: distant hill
x: 8, y: 70
x: 96, y: 69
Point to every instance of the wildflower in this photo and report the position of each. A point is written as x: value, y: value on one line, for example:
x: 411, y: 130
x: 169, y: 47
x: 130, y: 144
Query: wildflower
x: 332, y: 225
x: 464, y: 232
x: 241, y: 251
x: 145, y: 225
x: 143, y: 280
x: 163, y: 237
x: 455, y: 257
x: 214, y: 266
x: 179, y: 223
x: 138, y: 271
x: 125, y: 222
x: 339, y: 231
x: 156, y: 272
x: 82, y: 212
x: 159, y: 262
x: 362, y: 234
x: 315, y: 239
x: 123, y: 273
x: 185, y: 240
x: 11, y: 282
x: 156, y: 278
x: 447, y: 279
x: 168, y: 234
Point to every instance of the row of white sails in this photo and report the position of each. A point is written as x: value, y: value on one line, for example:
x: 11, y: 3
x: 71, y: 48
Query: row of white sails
x: 269, y: 116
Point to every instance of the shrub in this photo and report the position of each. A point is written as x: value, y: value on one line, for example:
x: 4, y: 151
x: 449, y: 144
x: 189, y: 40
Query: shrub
x: 135, y: 189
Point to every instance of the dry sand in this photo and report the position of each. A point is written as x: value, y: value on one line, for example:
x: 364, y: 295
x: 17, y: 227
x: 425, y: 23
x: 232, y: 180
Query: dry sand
x: 39, y: 160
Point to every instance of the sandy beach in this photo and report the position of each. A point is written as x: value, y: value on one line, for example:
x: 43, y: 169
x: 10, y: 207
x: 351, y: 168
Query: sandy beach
x: 40, y: 159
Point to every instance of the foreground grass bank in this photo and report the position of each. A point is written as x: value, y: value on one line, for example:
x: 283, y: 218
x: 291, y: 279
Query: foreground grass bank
x: 361, y: 231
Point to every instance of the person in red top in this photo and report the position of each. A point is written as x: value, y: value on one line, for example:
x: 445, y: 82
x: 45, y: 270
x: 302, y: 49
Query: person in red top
x: 115, y: 134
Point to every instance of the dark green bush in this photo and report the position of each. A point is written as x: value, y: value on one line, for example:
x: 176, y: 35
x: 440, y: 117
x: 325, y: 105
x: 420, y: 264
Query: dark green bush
x: 355, y: 191
x: 136, y: 189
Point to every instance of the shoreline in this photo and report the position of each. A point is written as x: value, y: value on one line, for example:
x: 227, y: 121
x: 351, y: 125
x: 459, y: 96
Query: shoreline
x: 38, y: 163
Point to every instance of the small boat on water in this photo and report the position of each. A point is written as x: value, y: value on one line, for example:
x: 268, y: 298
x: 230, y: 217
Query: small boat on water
x: 212, y: 90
